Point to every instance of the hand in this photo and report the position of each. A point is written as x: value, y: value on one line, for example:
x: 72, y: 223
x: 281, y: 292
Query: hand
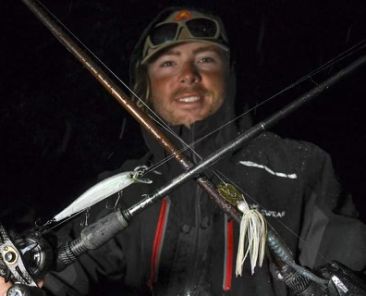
x: 4, y: 286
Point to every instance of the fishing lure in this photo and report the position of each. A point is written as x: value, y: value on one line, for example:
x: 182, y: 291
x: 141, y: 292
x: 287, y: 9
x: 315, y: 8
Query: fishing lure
x: 101, y: 191
x: 253, y: 229
x: 229, y: 193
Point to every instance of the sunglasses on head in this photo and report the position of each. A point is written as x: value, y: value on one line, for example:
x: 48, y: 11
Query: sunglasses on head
x: 183, y: 26
x: 197, y: 28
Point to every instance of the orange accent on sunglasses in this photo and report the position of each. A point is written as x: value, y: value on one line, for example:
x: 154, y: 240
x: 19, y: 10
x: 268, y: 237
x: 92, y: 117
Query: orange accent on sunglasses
x: 183, y: 15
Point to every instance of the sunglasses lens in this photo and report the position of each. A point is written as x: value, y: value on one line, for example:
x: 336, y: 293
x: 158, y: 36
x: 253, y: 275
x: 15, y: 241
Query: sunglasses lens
x: 202, y: 27
x: 163, y: 33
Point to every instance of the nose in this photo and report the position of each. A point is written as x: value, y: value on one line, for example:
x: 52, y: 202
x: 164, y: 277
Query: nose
x: 189, y: 74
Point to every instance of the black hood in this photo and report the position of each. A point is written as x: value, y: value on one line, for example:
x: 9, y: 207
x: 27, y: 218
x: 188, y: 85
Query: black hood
x: 217, y: 122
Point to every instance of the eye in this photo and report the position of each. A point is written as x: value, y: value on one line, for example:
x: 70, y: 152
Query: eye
x: 166, y: 64
x: 206, y: 60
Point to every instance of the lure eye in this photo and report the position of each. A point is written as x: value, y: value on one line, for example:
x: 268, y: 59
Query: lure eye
x: 229, y: 193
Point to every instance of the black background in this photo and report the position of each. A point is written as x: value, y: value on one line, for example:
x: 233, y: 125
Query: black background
x: 59, y: 129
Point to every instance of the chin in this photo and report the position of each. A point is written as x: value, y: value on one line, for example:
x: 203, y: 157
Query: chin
x: 186, y: 119
x: 189, y: 123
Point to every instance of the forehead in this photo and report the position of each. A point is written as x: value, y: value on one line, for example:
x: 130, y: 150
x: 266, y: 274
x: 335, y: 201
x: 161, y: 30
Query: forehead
x: 191, y: 48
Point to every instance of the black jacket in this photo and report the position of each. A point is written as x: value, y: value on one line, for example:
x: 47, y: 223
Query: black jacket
x: 180, y: 246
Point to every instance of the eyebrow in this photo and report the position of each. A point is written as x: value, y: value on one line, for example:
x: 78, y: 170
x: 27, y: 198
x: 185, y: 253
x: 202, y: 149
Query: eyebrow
x: 213, y: 48
x: 173, y: 52
x: 170, y: 52
x: 207, y: 48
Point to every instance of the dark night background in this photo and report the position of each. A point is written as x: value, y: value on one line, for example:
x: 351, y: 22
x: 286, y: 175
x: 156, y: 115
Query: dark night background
x: 59, y: 129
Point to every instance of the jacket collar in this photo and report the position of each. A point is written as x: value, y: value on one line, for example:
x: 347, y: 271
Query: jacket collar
x: 207, y: 135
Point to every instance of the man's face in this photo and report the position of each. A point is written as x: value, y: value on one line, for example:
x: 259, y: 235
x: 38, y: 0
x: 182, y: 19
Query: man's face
x: 188, y: 82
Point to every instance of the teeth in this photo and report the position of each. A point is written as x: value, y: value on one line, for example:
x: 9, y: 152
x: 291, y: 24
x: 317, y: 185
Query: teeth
x: 189, y: 99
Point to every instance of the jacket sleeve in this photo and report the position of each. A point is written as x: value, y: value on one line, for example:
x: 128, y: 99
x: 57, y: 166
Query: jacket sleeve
x: 100, y: 271
x: 331, y: 229
x: 104, y: 265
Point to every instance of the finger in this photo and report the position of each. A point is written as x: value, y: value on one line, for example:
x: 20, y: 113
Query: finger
x: 40, y: 283
x: 4, y: 286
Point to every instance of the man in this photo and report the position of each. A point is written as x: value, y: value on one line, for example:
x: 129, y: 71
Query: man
x: 185, y: 245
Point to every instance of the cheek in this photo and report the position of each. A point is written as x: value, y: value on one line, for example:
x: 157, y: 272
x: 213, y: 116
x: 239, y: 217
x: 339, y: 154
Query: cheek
x: 218, y: 86
x: 160, y: 96
x: 158, y: 90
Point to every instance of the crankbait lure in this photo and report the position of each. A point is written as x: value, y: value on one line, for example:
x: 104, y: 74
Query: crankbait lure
x: 101, y: 191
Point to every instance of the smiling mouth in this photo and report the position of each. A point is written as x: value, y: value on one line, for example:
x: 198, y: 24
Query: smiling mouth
x: 189, y: 99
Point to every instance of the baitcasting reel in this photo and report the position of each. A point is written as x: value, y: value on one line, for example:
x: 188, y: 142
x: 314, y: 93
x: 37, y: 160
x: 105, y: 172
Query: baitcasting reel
x: 24, y: 259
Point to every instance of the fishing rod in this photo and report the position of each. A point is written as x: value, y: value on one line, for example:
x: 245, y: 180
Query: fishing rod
x: 124, y: 216
x: 146, y: 122
x: 101, y: 75
x: 98, y: 233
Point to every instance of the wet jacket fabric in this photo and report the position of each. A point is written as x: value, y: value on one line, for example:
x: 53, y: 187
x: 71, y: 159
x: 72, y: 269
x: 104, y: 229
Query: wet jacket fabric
x: 181, y: 245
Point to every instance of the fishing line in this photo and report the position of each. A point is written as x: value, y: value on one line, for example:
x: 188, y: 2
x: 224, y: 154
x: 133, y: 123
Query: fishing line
x: 306, y: 77
x: 48, y: 227
x: 155, y: 116
x: 299, y: 81
x: 309, y: 76
x: 168, y: 129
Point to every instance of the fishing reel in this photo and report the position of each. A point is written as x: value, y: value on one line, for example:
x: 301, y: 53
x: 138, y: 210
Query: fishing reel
x: 342, y: 281
x: 339, y: 280
x: 24, y: 259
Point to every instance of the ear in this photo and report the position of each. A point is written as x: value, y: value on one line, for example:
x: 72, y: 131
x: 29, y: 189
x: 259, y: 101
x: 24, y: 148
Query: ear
x: 141, y: 86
